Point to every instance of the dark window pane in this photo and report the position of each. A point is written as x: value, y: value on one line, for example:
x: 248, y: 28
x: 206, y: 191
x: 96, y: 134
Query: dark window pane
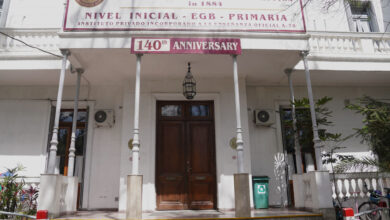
x: 360, y: 8
x: 61, y: 147
x: 82, y: 116
x: 67, y: 116
x: 62, y: 139
x: 171, y: 110
x: 287, y: 114
x: 80, y: 133
x: 200, y: 110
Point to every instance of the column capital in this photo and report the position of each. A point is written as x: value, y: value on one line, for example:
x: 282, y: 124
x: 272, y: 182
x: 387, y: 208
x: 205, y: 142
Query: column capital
x: 288, y: 71
x: 304, y: 53
x: 65, y: 52
x: 80, y: 70
x: 76, y: 70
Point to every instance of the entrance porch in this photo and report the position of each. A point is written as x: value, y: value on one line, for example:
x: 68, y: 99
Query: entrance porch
x: 271, y: 213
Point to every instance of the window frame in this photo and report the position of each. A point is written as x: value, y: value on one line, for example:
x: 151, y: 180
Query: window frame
x: 4, y: 12
x: 283, y: 126
x: 370, y: 17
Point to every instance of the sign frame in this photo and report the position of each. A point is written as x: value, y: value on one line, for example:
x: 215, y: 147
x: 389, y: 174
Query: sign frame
x: 73, y: 29
x: 197, y: 42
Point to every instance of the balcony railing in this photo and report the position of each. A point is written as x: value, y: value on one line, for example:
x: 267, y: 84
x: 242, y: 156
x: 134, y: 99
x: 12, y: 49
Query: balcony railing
x: 337, y: 43
x: 382, y: 45
x: 46, y: 39
x: 329, y: 43
x: 345, y: 44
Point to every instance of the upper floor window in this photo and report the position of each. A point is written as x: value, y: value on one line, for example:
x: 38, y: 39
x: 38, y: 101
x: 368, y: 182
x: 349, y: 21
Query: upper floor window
x: 1, y: 7
x: 3, y: 11
x: 362, y: 17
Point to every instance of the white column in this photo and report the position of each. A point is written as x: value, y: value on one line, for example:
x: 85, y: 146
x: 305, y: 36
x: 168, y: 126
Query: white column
x: 54, y: 139
x: 136, y: 142
x: 298, y: 155
x: 240, y: 142
x: 316, y: 139
x: 72, y: 148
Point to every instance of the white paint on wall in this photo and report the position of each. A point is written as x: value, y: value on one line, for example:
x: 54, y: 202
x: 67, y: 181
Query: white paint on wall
x: 35, y: 14
x: 23, y: 135
x: 386, y: 15
x: 320, y: 17
x: 104, y: 173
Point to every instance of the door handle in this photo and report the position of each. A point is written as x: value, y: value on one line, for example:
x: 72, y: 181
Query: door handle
x: 170, y: 178
x: 200, y: 177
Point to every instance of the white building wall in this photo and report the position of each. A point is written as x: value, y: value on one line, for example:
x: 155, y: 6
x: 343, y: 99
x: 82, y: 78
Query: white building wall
x: 24, y: 127
x: 332, y: 16
x: 222, y: 92
x: 104, y: 173
x: 379, y: 13
x: 319, y: 17
x: 386, y: 15
x: 23, y: 135
x: 266, y: 141
x: 35, y: 14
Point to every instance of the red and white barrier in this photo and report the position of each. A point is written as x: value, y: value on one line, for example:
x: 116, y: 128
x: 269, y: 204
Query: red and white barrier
x: 348, y: 214
x: 42, y: 214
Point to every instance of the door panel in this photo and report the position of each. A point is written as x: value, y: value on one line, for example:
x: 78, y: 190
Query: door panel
x: 171, y: 166
x: 185, y: 154
x: 201, y: 157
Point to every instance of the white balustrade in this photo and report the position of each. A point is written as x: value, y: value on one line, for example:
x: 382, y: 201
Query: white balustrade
x: 31, y: 181
x: 46, y: 39
x: 28, y: 181
x: 335, y: 43
x: 349, y: 190
x: 349, y: 43
x: 350, y: 185
x: 381, y: 45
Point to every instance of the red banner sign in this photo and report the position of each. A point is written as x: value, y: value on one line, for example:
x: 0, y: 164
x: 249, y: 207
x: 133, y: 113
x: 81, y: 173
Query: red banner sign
x: 186, y: 46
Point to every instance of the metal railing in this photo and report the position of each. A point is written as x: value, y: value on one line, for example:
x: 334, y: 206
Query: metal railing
x: 18, y: 214
x: 383, y: 212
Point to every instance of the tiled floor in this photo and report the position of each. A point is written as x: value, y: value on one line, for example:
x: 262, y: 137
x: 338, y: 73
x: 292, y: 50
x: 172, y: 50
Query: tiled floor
x: 192, y: 214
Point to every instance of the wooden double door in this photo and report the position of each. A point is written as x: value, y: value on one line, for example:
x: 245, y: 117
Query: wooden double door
x: 185, y: 155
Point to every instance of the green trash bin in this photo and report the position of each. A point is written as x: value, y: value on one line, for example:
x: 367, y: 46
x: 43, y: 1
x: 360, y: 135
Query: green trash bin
x: 260, y: 191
